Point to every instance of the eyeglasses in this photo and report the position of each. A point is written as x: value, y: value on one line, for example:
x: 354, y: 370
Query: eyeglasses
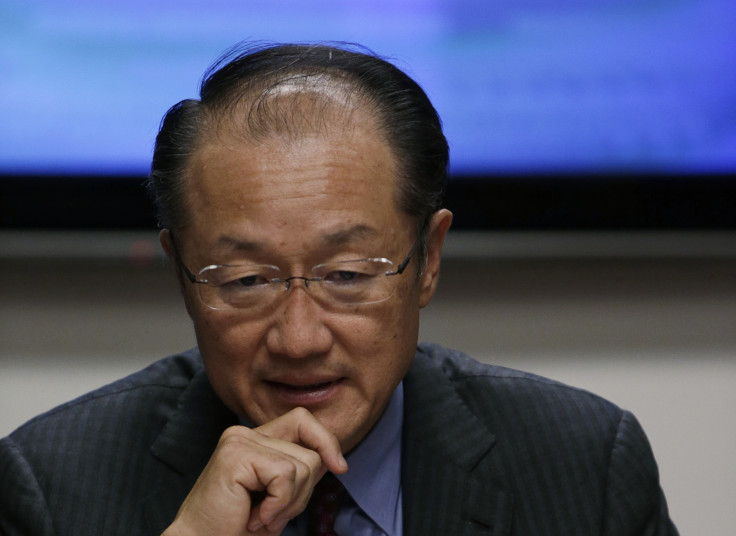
x: 255, y: 287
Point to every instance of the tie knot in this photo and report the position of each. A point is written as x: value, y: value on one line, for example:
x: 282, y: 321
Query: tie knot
x: 324, y: 504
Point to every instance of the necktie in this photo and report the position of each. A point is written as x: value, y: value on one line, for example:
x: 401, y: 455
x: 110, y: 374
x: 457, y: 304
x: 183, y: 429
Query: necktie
x: 323, y: 506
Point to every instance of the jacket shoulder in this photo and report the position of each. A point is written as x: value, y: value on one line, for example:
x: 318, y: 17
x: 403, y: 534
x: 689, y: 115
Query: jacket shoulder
x: 484, y: 386
x: 161, y: 380
x: 95, y: 451
x: 586, y: 459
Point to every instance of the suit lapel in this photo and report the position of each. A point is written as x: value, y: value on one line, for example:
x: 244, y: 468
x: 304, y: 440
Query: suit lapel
x: 447, y: 473
x: 184, y: 446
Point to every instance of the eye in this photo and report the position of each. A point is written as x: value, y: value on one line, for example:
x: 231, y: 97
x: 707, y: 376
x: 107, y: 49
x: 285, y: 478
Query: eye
x: 346, y: 276
x: 251, y: 281
x: 246, y: 282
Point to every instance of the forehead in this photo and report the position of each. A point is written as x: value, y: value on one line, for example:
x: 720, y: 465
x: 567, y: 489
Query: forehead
x: 283, y: 186
x: 290, y: 106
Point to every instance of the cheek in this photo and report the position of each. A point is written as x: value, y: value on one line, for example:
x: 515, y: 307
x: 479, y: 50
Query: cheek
x: 405, y: 317
x: 229, y: 350
x: 226, y: 342
x: 382, y: 342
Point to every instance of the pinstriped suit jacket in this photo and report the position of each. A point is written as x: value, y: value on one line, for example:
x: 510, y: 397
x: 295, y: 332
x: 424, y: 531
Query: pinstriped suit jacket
x: 486, y: 450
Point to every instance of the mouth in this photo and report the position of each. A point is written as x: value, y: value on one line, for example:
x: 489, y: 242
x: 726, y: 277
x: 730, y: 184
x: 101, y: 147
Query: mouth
x: 305, y: 394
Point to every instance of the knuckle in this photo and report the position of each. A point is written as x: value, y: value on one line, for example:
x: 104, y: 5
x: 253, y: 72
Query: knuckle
x: 312, y: 459
x: 229, y: 441
x: 290, y: 468
x: 301, y: 413
x: 233, y: 433
x: 235, y: 439
x: 282, y: 470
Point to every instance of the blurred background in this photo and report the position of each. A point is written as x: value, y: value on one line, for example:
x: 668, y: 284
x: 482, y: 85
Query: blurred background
x: 593, y: 147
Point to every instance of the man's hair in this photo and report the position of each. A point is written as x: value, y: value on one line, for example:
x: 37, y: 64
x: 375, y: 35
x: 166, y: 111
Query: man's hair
x: 249, y: 78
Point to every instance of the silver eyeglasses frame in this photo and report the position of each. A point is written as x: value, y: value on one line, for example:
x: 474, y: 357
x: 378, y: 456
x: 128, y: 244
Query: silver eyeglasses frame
x: 287, y: 282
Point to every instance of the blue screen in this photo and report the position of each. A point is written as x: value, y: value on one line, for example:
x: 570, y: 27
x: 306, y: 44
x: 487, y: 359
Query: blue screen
x: 521, y: 85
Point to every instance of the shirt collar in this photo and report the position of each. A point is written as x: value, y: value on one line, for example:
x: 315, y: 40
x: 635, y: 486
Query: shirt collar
x: 373, y: 479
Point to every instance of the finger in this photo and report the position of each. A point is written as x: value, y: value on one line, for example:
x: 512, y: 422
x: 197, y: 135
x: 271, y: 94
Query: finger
x: 278, y: 527
x: 302, y: 436
x: 247, y: 461
x: 284, y: 473
x: 287, y: 486
x: 301, y: 427
x: 274, y: 529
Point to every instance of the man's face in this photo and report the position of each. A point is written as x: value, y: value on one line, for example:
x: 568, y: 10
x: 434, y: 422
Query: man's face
x: 296, y: 204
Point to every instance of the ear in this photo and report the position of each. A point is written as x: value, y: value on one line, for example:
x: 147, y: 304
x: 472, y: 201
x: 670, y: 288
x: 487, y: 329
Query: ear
x: 168, y: 246
x: 438, y: 227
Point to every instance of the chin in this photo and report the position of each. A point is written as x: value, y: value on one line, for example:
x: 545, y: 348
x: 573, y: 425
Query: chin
x: 348, y: 437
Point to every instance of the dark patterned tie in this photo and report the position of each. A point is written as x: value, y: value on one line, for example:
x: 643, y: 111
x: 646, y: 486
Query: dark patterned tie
x: 323, y: 506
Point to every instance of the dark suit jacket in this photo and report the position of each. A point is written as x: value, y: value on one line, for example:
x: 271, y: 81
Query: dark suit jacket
x: 486, y: 450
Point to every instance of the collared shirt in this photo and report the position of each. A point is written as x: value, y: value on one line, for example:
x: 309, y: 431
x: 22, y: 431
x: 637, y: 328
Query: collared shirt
x: 373, y: 480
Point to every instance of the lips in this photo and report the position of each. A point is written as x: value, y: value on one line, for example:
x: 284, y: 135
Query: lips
x: 305, y: 394
x: 309, y: 387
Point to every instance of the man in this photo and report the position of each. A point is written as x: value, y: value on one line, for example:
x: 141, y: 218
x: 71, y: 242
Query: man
x: 300, y: 201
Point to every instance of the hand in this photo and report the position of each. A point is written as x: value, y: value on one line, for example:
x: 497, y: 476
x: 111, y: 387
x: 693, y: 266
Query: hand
x: 283, y: 459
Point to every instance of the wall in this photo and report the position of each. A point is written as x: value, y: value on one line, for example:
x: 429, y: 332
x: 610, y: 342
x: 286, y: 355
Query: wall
x: 646, y: 321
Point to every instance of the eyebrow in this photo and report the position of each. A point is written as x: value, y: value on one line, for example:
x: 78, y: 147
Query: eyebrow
x: 336, y: 238
x: 344, y: 236
x: 240, y: 245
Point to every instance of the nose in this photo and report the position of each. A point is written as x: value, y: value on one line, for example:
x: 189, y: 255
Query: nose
x: 298, y: 330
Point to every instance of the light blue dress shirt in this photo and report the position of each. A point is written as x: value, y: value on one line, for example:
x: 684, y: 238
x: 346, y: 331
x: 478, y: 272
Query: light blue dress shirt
x: 373, y: 481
